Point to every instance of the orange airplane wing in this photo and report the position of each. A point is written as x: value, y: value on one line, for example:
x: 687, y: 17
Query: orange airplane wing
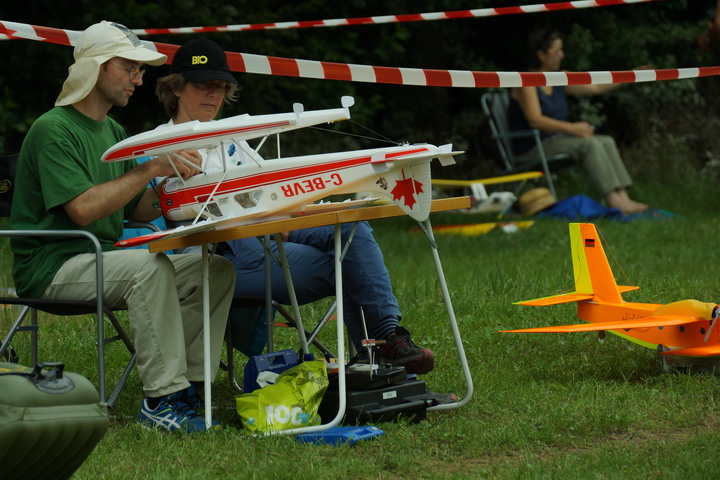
x: 568, y: 298
x: 557, y: 299
x: 627, y: 288
x: 706, y: 351
x: 659, y: 321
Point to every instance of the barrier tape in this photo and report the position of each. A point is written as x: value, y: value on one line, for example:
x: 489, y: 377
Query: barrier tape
x: 289, y: 67
x: 413, y: 17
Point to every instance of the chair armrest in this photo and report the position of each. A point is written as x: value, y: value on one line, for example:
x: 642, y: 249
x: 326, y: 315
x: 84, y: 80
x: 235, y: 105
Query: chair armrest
x: 70, y: 233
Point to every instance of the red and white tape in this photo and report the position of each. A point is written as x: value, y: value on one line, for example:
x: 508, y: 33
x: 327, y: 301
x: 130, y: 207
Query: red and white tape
x: 414, y: 17
x: 289, y: 67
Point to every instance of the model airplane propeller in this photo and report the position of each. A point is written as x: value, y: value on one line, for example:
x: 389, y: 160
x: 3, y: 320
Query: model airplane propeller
x: 261, y: 190
x: 683, y: 332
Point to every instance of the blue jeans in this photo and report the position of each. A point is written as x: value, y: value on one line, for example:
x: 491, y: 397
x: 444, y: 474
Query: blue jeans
x: 310, y: 254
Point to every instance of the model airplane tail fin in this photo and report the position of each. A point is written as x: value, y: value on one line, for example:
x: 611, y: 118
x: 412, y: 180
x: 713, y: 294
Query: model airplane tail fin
x: 592, y: 272
x: 403, y: 176
x: 409, y: 188
x: 422, y: 190
x: 594, y: 279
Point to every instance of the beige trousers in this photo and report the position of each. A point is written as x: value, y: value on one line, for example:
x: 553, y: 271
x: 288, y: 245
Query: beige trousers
x: 598, y: 154
x: 163, y: 297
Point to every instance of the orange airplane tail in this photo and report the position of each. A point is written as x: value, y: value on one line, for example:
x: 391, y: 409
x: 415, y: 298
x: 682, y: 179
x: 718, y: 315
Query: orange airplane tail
x: 594, y: 279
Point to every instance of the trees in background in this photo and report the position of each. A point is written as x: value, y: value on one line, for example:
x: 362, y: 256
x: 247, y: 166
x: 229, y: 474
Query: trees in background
x: 661, y: 33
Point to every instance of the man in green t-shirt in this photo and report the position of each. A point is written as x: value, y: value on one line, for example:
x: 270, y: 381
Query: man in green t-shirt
x: 61, y: 183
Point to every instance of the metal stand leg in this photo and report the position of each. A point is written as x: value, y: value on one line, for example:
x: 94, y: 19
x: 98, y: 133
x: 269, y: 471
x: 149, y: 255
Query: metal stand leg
x: 291, y: 292
x: 427, y: 228
x: 206, y: 335
x: 268, y: 297
x: 340, y: 332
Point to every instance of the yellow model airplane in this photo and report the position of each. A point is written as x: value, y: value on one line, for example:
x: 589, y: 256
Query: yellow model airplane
x: 682, y: 332
x: 482, y: 202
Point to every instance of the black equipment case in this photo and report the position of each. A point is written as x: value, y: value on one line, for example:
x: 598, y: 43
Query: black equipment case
x: 50, y: 421
x: 384, y: 396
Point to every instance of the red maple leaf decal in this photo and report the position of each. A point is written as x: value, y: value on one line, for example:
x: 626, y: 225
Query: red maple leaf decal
x: 407, y: 188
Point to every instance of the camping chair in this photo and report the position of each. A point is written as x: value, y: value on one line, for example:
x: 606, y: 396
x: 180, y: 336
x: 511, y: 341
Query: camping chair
x: 495, y: 105
x: 240, y: 332
x: 243, y: 335
x: 31, y: 306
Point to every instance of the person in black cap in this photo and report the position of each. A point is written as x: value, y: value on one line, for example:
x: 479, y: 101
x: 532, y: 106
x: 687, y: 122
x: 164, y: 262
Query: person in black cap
x: 197, y: 87
x: 200, y: 73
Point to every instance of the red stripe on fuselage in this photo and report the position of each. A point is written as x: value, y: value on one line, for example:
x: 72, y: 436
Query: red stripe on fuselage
x: 200, y: 193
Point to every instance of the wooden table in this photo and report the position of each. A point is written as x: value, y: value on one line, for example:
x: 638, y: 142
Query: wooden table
x: 298, y: 223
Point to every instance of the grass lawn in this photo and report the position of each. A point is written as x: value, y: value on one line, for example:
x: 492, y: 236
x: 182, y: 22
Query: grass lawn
x: 545, y: 405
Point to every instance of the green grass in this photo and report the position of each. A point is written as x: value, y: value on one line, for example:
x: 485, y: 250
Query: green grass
x: 545, y: 406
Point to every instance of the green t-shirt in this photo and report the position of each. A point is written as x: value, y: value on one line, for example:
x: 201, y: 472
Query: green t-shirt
x: 59, y: 160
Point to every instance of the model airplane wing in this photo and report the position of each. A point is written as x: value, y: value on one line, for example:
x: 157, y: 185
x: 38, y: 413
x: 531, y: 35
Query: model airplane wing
x: 704, y: 351
x: 657, y: 321
x: 197, y: 135
x: 169, y: 233
x: 327, y: 207
x: 556, y: 299
x: 225, y: 223
x: 568, y: 297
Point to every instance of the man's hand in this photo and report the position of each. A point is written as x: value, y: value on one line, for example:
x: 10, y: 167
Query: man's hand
x: 183, y: 160
x: 109, y: 197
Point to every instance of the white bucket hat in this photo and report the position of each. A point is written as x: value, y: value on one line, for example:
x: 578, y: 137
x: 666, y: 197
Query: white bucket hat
x: 95, y: 46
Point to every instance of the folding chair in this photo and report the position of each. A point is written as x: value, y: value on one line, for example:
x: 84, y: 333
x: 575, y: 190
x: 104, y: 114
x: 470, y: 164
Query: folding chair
x: 31, y: 306
x: 270, y: 308
x: 495, y: 105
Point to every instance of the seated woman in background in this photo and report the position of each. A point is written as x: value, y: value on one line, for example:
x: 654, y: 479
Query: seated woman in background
x: 545, y: 109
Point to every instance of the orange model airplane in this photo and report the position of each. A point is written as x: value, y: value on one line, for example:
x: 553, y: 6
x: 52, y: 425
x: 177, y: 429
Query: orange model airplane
x: 680, y: 331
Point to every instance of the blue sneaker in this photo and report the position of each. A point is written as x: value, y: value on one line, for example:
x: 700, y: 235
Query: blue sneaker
x: 196, y: 402
x: 173, y: 413
x: 193, y: 398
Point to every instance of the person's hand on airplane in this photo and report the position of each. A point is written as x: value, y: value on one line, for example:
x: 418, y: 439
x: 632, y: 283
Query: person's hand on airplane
x: 184, y: 161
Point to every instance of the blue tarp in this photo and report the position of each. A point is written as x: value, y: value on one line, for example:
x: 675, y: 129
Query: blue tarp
x: 582, y: 207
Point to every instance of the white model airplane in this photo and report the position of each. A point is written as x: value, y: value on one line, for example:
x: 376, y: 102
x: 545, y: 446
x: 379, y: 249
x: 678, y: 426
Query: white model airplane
x: 262, y: 190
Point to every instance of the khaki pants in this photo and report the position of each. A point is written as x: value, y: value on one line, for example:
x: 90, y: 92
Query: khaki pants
x: 598, y: 154
x: 163, y: 297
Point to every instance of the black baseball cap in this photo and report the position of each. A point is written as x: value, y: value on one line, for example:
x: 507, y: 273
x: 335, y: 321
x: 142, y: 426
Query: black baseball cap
x: 202, y: 60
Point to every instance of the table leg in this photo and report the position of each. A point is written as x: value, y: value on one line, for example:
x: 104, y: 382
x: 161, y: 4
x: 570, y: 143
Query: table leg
x: 206, y: 335
x: 291, y: 291
x: 427, y: 228
x: 340, y: 321
x: 340, y: 331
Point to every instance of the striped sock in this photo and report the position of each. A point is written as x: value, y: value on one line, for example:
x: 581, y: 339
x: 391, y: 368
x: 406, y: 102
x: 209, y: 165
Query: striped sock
x: 385, y: 327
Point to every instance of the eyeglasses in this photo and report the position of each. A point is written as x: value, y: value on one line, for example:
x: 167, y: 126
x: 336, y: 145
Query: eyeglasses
x: 225, y: 87
x: 134, y: 72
